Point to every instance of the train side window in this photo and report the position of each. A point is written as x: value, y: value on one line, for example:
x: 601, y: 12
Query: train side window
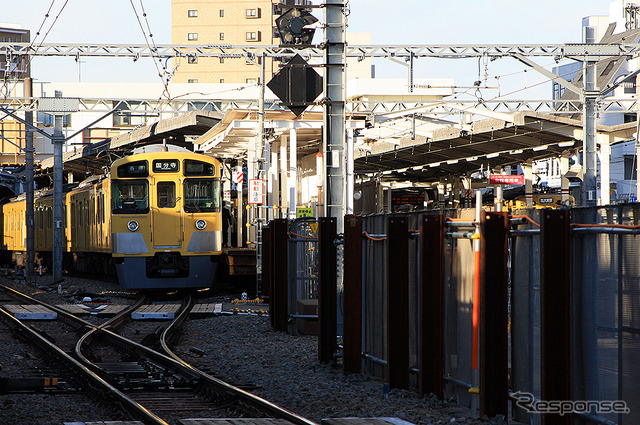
x: 166, y: 194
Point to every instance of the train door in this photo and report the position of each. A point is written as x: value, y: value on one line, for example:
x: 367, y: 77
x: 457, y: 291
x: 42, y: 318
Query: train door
x: 167, y: 216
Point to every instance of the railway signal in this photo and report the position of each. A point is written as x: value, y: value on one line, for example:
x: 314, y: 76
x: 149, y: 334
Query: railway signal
x: 296, y: 26
x: 297, y: 84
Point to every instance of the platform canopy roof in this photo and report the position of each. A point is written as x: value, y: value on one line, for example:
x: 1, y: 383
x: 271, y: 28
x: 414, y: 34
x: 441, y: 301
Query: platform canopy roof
x: 232, y: 136
x: 400, y: 149
x: 418, y: 145
x: 177, y: 131
x: 422, y: 144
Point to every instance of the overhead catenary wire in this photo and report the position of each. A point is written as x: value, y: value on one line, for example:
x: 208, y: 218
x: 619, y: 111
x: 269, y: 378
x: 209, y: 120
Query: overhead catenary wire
x: 164, y: 75
x: 7, y: 77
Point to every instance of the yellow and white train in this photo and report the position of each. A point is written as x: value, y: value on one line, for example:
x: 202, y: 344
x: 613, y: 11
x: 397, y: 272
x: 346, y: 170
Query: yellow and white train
x: 156, y: 216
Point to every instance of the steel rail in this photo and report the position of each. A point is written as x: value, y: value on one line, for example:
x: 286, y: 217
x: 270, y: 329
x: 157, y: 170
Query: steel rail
x: 214, y: 383
x: 130, y: 405
x: 172, y: 329
x: 114, y: 322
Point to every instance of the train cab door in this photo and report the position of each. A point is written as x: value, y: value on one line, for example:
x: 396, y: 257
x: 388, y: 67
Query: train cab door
x: 167, y: 216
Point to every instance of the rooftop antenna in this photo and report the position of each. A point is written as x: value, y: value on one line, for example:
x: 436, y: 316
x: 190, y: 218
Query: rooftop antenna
x: 631, y: 14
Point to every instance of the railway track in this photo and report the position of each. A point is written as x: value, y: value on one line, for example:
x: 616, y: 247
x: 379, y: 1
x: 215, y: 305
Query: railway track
x: 153, y: 387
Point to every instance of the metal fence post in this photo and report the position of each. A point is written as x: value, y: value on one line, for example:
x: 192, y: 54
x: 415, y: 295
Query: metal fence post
x: 352, y: 334
x: 494, y: 315
x: 431, y: 306
x: 327, y: 287
x: 555, y: 294
x: 267, y: 259
x: 279, y: 305
x: 398, y: 302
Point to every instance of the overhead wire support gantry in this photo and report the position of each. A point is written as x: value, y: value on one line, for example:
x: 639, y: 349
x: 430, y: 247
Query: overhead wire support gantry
x: 135, y: 51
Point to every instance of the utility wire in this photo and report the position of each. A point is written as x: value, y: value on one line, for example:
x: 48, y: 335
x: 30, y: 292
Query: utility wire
x: 163, y: 73
x: 5, y: 86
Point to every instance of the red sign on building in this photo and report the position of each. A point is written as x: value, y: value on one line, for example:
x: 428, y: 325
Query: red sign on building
x: 506, y: 179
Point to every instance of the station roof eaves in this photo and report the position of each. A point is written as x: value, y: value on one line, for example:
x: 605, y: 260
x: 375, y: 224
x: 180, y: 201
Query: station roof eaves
x: 230, y: 137
x: 93, y: 157
x: 489, y: 144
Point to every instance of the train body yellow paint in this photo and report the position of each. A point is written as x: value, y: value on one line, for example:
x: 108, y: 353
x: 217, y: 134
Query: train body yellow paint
x: 156, y: 216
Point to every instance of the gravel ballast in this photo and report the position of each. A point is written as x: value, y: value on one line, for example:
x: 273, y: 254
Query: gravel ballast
x: 245, y: 351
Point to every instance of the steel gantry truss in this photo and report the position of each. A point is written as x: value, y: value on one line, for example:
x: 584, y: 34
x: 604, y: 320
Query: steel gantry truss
x: 135, y: 51
x: 575, y: 51
x: 588, y: 53
x: 362, y: 107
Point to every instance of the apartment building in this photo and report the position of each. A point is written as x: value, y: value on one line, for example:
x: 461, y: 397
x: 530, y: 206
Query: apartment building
x: 14, y: 68
x: 225, y: 22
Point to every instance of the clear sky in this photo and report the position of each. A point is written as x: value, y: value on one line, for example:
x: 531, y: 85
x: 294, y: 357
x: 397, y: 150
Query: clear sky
x: 389, y: 22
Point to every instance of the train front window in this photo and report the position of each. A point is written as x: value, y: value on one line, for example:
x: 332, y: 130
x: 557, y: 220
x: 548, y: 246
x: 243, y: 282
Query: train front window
x: 202, y: 195
x: 130, y: 197
x: 166, y: 194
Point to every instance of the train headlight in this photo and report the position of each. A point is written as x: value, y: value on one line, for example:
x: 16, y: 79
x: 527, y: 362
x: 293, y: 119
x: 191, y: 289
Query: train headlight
x: 201, y: 224
x: 132, y: 225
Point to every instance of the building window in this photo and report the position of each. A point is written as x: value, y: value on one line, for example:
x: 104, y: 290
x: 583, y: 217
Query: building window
x: 221, y: 60
x: 221, y: 36
x: 130, y: 113
x: 222, y: 13
x: 48, y: 120
x: 251, y: 81
x: 630, y: 167
x: 629, y: 87
x: 192, y: 59
x: 221, y: 80
x: 253, y: 36
x: 192, y: 80
x: 192, y: 13
x: 192, y: 36
x: 252, y: 13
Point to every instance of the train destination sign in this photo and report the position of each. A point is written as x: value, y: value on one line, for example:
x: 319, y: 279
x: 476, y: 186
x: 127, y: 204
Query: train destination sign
x: 166, y: 165
x: 506, y: 179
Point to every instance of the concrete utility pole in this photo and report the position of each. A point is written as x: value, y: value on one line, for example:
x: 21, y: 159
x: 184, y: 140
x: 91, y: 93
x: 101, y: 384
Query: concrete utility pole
x: 59, y: 107
x: 334, y: 110
x: 28, y: 154
x: 589, y: 124
x: 58, y: 141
